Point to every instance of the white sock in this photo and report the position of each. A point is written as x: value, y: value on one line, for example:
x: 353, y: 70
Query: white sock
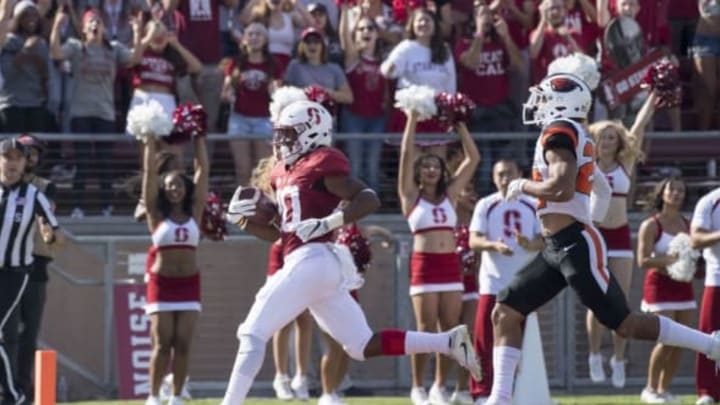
x: 505, y: 362
x: 426, y: 342
x: 248, y: 361
x: 676, y: 334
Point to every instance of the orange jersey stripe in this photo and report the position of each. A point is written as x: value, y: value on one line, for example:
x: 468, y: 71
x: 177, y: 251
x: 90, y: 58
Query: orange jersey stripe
x: 597, y: 245
x: 558, y: 130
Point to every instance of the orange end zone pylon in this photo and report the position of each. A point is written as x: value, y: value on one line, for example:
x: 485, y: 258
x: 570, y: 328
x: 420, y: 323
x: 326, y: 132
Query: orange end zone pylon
x: 45, y: 377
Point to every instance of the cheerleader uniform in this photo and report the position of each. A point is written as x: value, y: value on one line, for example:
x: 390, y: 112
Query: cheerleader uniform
x: 660, y: 292
x: 172, y: 293
x: 468, y: 261
x: 618, y: 239
x: 433, y: 272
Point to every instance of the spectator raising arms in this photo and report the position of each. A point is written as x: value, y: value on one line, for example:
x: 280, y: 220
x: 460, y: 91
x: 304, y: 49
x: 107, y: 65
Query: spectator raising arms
x: 175, y: 205
x: 428, y: 194
x: 366, y: 114
x: 551, y: 39
x: 616, y: 154
x: 422, y: 58
x: 95, y: 62
x: 281, y: 23
x: 249, y: 79
x: 662, y: 295
x: 24, y: 65
x: 311, y: 68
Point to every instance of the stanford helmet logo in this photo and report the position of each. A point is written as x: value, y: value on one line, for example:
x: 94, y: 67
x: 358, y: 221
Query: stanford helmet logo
x: 314, y: 116
x: 563, y: 84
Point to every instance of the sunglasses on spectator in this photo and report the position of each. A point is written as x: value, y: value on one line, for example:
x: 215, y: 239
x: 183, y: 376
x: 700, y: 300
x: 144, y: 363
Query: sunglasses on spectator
x: 312, y: 40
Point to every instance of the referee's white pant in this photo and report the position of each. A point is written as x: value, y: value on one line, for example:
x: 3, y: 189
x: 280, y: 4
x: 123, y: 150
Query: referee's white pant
x: 12, y: 286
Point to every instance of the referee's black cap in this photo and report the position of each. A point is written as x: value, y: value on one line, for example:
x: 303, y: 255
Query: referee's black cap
x: 9, y: 144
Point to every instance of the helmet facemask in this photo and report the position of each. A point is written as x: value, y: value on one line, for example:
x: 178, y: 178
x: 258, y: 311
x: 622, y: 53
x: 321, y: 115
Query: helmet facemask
x: 286, y: 145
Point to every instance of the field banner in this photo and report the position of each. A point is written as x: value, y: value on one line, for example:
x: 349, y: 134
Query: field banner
x: 624, y: 84
x: 132, y: 335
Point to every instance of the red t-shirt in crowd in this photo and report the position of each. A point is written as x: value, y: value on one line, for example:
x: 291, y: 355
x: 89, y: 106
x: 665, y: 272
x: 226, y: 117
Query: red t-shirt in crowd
x: 653, y: 21
x: 683, y: 9
x: 201, y: 34
x: 154, y: 69
x: 489, y: 84
x: 578, y: 22
x: 252, y: 92
x: 554, y: 46
x: 518, y: 32
x: 368, y: 87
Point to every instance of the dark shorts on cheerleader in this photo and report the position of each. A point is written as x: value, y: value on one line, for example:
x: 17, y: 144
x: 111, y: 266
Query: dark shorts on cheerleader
x: 574, y: 257
x: 165, y: 294
x: 435, y: 272
x: 471, y: 289
x: 618, y: 241
x: 662, y: 293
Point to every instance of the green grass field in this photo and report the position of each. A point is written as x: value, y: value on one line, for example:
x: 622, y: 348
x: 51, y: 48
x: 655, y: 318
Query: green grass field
x: 563, y: 400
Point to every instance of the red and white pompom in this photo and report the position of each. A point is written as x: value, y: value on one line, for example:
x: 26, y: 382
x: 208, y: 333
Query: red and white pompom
x: 467, y: 256
x: 453, y: 108
x: 663, y: 78
x: 683, y: 269
x: 420, y: 99
x: 148, y: 119
x: 189, y: 120
x: 283, y: 97
x: 359, y: 246
x: 322, y: 97
x: 213, y: 220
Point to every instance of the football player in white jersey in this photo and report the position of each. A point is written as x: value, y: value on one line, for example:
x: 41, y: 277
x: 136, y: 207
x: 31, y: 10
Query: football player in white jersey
x: 705, y: 233
x: 507, y: 233
x: 309, y: 180
x: 574, y: 254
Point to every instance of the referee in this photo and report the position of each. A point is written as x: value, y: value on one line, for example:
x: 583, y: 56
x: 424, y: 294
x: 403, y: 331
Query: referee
x: 21, y: 204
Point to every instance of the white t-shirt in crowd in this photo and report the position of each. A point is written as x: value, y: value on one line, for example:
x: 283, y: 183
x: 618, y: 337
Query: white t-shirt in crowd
x: 498, y: 219
x: 412, y: 65
x: 707, y: 217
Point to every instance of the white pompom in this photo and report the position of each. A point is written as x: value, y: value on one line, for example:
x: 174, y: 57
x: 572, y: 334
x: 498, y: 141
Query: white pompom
x: 420, y: 99
x: 283, y: 97
x: 684, y: 268
x: 149, y: 119
x: 577, y: 64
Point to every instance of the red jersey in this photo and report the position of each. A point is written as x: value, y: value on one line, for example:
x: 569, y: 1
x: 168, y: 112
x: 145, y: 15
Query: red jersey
x: 554, y: 46
x: 518, y: 32
x: 578, y: 23
x: 201, y: 34
x: 301, y: 194
x: 252, y: 92
x: 154, y: 69
x: 653, y: 21
x: 275, y: 258
x: 489, y: 84
x: 368, y: 87
x: 683, y: 9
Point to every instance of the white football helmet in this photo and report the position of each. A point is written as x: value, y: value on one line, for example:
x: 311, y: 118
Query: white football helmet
x: 557, y: 96
x: 302, y: 126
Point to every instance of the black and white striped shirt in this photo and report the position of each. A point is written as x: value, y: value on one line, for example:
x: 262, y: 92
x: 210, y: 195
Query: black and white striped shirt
x: 20, y: 205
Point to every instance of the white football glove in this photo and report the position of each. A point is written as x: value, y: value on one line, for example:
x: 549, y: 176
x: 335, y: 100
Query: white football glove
x: 237, y: 209
x: 315, y: 227
x: 515, y: 189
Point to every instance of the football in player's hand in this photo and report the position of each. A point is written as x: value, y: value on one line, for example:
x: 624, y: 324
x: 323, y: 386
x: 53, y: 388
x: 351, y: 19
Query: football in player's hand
x: 265, y: 208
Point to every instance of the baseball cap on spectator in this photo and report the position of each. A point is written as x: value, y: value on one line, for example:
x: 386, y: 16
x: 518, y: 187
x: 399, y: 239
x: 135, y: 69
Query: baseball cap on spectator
x: 10, y: 144
x: 310, y: 31
x: 313, y: 7
x: 23, y: 5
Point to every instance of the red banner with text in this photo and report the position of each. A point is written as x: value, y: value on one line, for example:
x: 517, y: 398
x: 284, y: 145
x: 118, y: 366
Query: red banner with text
x: 624, y: 84
x: 132, y: 336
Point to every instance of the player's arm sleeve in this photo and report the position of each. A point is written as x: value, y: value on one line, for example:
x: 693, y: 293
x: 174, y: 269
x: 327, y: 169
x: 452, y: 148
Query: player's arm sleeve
x: 702, y: 214
x: 333, y: 163
x: 559, y: 135
x: 600, y: 197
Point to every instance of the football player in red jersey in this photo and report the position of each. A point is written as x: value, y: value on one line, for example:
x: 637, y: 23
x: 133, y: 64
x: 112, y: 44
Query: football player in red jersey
x: 309, y: 180
x: 574, y: 254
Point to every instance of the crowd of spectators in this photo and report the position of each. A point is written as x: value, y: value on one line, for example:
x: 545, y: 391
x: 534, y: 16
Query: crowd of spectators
x: 76, y: 66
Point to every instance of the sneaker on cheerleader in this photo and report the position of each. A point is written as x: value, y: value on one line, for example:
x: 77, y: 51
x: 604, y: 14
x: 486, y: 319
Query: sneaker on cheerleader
x: 461, y: 397
x: 705, y: 400
x: 299, y: 384
x: 438, y: 395
x: 618, y: 372
x: 281, y: 385
x: 651, y: 397
x: 330, y: 399
x: 153, y: 400
x: 175, y: 400
x: 463, y: 351
x: 418, y: 396
x: 670, y: 398
x: 595, y: 366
